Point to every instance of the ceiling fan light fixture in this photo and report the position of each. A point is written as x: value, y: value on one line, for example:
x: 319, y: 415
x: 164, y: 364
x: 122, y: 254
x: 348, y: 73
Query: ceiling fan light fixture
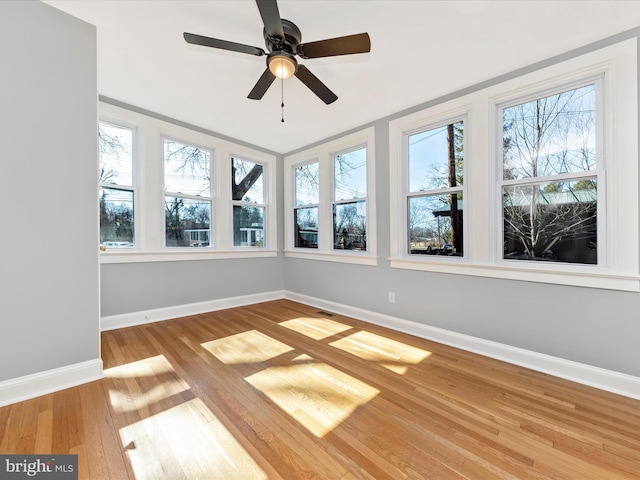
x: 282, y: 65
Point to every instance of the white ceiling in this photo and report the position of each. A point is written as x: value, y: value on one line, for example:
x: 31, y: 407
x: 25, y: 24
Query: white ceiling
x: 420, y: 50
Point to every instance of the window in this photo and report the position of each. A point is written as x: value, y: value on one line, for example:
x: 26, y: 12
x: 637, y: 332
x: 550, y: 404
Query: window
x: 550, y: 178
x: 247, y: 192
x: 305, y: 210
x: 543, y: 174
x: 330, y: 190
x: 117, y: 221
x: 187, y: 200
x: 434, y: 199
x: 350, y: 200
x: 185, y: 206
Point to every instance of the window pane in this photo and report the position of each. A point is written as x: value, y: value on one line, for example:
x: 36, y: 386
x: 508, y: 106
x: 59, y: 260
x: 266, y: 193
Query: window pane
x: 116, y: 154
x: 186, y: 169
x: 435, y: 225
x: 350, y: 175
x: 116, y: 218
x: 183, y: 217
x: 247, y: 184
x: 436, y: 158
x: 307, y: 184
x: 550, y: 135
x: 554, y: 222
x: 306, y: 224
x: 350, y: 226
x: 248, y: 226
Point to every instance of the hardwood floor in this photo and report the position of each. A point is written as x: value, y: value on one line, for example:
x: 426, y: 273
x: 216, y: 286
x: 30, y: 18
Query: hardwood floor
x: 279, y: 390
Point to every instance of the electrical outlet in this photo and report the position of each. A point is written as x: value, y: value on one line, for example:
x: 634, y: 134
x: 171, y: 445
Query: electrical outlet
x: 392, y: 297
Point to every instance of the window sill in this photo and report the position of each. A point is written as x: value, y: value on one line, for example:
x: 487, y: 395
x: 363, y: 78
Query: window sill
x: 353, y: 258
x: 576, y: 276
x: 179, y: 256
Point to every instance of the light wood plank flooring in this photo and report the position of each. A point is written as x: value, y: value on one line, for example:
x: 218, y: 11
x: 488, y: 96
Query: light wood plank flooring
x: 279, y: 390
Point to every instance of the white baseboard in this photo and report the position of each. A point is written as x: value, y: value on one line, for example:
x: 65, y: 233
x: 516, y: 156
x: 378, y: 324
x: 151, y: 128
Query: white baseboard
x: 30, y: 386
x: 609, y: 380
x: 158, y: 314
x: 42, y: 383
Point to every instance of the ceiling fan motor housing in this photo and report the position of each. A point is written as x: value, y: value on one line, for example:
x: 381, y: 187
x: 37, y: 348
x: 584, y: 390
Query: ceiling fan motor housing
x: 292, y: 38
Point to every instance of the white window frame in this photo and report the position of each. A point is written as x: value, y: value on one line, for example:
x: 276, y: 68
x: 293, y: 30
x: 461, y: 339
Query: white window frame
x: 295, y: 206
x: 599, y: 172
x: 266, y: 172
x: 149, y: 177
x: 324, y: 154
x: 134, y: 177
x: 454, y: 116
x: 335, y: 202
x: 210, y: 198
x: 618, y: 209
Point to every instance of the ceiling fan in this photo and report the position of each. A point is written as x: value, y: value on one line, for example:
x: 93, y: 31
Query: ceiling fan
x: 283, y: 41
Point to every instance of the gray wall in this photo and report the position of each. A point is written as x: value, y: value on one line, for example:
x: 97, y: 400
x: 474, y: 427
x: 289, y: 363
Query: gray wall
x: 135, y: 287
x: 591, y: 326
x: 49, y: 300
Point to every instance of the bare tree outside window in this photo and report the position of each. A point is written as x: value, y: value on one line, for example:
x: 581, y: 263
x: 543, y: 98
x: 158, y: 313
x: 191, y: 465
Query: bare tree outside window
x: 187, y: 222
x: 552, y: 138
x: 244, y: 176
x: 187, y: 169
x: 436, y: 180
x: 247, y: 185
x: 187, y: 183
x: 305, y: 212
x: 115, y: 149
x: 350, y: 225
x: 307, y: 188
x: 350, y: 205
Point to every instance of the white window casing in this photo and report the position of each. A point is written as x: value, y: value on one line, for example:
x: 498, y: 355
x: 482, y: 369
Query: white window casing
x: 135, y: 180
x: 149, y: 182
x: 324, y: 155
x: 614, y: 71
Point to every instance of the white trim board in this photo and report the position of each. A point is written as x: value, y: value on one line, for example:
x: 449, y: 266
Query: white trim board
x: 167, y: 313
x: 49, y: 381
x: 603, y: 379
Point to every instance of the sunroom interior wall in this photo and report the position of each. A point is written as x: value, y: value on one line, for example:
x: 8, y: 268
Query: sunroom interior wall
x: 592, y: 326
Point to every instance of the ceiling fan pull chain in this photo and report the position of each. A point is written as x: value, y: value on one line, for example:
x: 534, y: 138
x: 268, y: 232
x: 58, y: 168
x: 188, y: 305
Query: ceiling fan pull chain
x: 282, y: 98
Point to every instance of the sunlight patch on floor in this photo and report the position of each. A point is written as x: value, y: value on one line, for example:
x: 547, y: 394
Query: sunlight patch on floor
x: 186, y: 441
x: 315, y: 394
x: 247, y: 347
x: 152, y: 365
x: 316, y: 328
x: 143, y: 384
x: 391, y: 354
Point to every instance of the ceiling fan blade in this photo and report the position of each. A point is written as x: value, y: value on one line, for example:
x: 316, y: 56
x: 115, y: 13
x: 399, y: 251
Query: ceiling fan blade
x: 315, y: 85
x: 262, y: 85
x: 271, y: 18
x: 223, y: 44
x: 350, y: 44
